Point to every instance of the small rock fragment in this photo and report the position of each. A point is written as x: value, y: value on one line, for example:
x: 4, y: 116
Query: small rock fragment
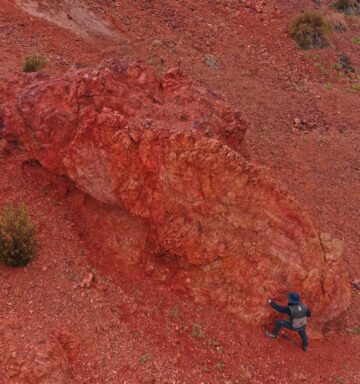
x: 211, y: 62
x: 86, y: 283
x: 3, y: 144
x: 297, y: 121
x: 356, y: 284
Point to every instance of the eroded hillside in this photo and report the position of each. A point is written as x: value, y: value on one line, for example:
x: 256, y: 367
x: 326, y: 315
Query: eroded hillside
x: 98, y: 157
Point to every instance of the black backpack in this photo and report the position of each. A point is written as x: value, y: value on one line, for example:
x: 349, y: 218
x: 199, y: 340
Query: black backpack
x: 298, y: 315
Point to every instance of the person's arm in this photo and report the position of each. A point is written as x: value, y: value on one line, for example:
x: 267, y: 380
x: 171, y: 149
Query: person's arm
x: 279, y: 308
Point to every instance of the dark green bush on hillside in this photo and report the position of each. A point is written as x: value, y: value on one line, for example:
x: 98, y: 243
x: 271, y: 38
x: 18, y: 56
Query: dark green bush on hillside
x: 17, y: 236
x: 310, y: 30
x: 34, y: 63
x: 348, y: 6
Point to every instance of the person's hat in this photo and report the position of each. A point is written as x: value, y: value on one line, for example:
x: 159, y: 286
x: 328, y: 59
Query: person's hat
x: 293, y: 298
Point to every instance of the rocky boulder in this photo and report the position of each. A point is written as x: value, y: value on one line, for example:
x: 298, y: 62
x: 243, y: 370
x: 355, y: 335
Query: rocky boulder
x: 173, y: 154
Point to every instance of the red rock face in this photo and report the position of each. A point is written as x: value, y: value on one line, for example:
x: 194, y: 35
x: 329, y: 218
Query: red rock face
x: 173, y: 154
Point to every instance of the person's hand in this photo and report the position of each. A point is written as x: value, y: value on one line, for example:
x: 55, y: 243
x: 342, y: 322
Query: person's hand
x: 269, y: 301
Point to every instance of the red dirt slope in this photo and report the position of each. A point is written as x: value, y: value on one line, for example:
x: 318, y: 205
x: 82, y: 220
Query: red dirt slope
x: 134, y: 330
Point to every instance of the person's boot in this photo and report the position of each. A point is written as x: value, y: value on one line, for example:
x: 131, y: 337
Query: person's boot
x: 269, y: 334
x: 304, y: 348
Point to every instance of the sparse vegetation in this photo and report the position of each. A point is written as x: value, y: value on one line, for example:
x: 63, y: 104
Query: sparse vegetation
x: 345, y: 63
x: 356, y: 330
x: 321, y: 68
x: 197, y: 331
x: 356, y: 40
x: 155, y: 60
x: 340, y: 380
x: 337, y: 22
x: 145, y: 357
x: 173, y: 312
x: 17, y: 236
x: 214, y: 343
x: 310, y: 30
x: 347, y: 6
x: 34, y: 63
x: 220, y: 365
x: 354, y: 87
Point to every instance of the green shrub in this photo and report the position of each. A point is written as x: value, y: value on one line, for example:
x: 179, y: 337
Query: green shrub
x: 310, y: 30
x: 17, y: 236
x: 34, y: 63
x: 145, y: 357
x: 197, y: 331
x: 348, y: 6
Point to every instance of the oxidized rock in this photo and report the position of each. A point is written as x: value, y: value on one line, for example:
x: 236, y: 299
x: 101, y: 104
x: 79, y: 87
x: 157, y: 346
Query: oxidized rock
x: 173, y: 154
x: 333, y: 248
x: 87, y: 281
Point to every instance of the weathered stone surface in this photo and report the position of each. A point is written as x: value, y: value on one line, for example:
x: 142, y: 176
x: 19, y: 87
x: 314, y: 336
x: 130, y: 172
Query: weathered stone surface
x: 173, y: 154
x: 333, y: 248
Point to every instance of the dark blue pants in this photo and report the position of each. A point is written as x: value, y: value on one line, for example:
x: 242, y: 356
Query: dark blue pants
x: 287, y: 324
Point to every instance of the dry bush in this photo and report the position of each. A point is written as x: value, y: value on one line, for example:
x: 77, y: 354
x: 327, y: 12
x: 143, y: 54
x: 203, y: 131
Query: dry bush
x: 337, y: 22
x: 34, y: 63
x: 310, y: 30
x: 17, y: 236
x: 345, y: 63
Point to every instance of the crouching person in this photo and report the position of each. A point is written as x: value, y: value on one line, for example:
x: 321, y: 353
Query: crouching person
x: 298, y: 314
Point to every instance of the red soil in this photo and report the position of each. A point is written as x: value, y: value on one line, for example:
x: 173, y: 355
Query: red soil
x: 53, y: 331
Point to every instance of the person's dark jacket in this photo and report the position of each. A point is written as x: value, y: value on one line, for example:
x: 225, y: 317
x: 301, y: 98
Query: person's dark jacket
x: 286, y: 309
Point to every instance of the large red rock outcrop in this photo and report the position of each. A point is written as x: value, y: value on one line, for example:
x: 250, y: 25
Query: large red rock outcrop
x: 173, y: 154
